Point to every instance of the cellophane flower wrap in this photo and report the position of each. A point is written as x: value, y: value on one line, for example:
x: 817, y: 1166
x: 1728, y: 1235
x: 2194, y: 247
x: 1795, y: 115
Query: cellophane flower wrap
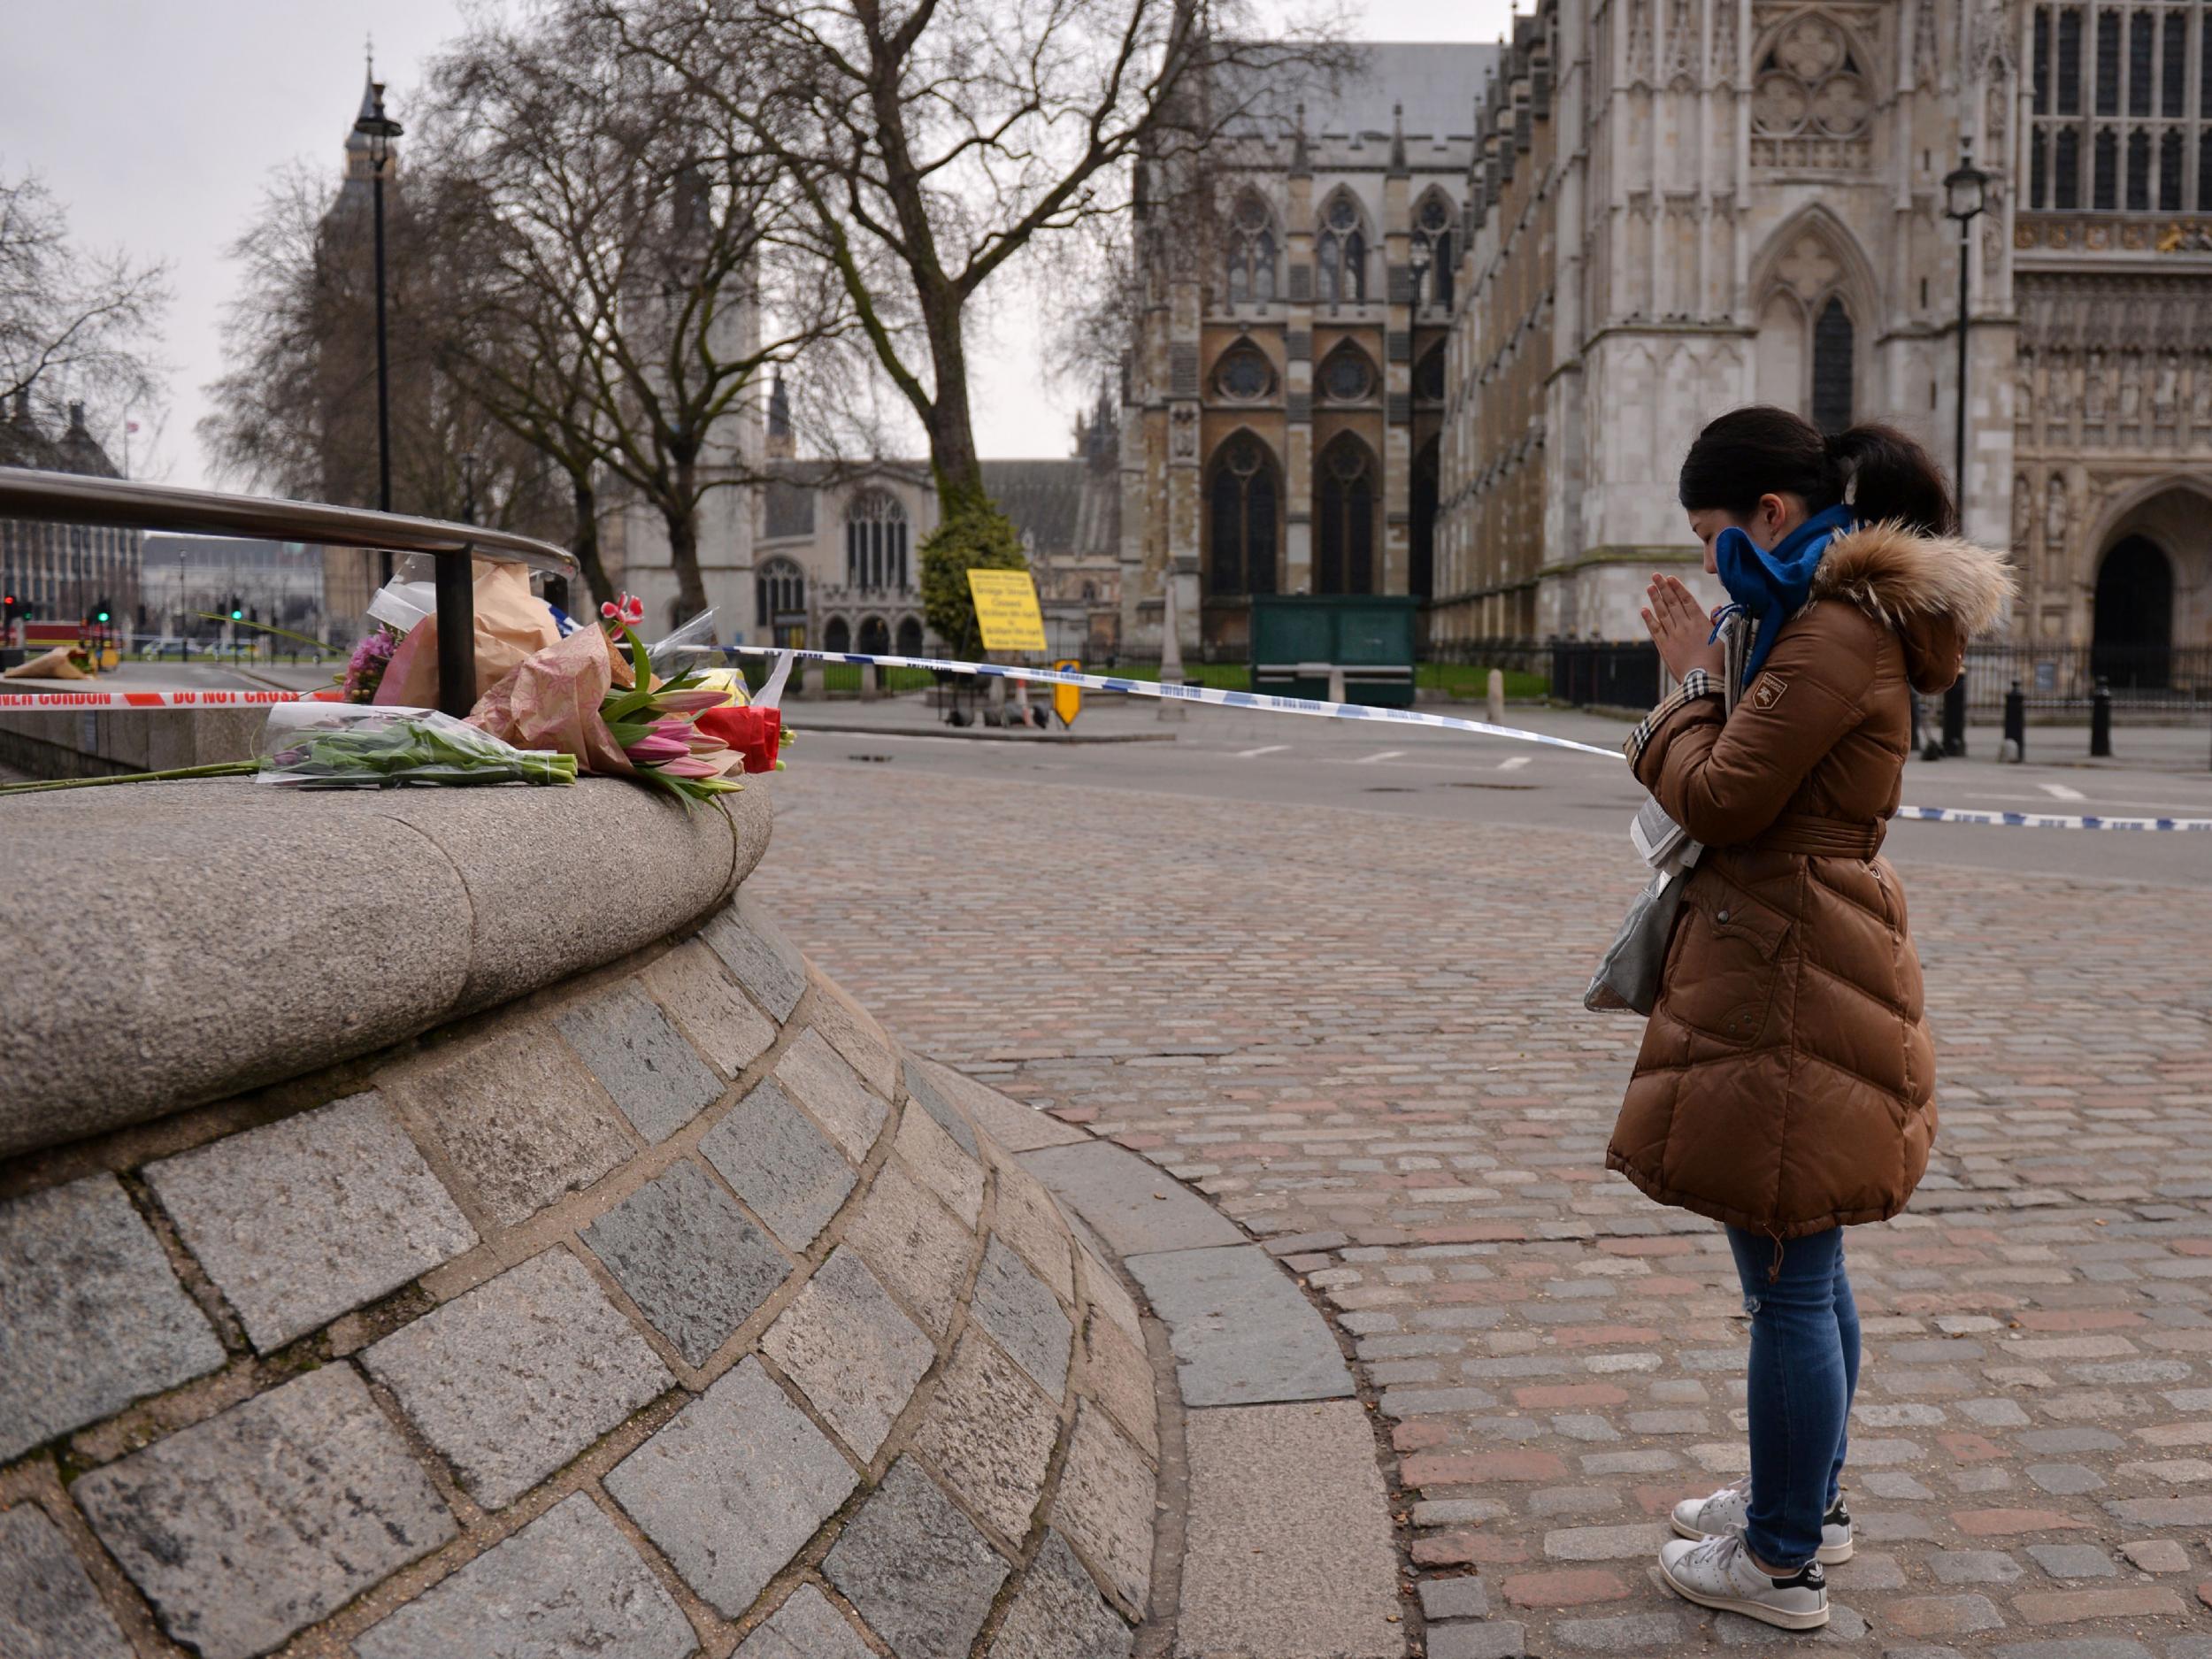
x: 602, y: 702
x: 314, y: 745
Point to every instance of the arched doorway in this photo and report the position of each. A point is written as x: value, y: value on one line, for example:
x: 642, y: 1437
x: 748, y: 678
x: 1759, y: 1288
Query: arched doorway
x: 838, y: 637
x: 1243, y: 502
x: 2132, y: 644
x: 910, y: 636
x: 875, y: 637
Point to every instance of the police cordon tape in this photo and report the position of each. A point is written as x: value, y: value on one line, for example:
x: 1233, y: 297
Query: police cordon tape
x: 93, y: 700
x: 1273, y: 704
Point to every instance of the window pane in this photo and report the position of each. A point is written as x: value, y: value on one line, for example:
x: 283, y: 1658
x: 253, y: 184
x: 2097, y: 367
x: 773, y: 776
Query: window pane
x: 2042, y: 85
x: 1259, y: 531
x: 2067, y: 167
x: 2173, y: 63
x: 2107, y: 192
x: 1832, y: 368
x: 2108, y: 62
x: 2141, y: 30
x: 2139, y: 172
x: 1263, y: 267
x: 1223, y: 569
x: 2069, y: 61
x: 2204, y: 169
x: 2170, y: 174
x: 2039, y: 171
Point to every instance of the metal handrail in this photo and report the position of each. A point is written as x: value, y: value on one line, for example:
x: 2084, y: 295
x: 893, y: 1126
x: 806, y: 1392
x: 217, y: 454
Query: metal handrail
x: 122, y: 505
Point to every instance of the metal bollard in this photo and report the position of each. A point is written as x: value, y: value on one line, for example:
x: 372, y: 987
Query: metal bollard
x: 2101, y: 723
x: 1955, y: 718
x: 2017, y: 721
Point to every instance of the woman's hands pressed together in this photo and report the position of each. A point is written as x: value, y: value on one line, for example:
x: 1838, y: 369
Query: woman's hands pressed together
x: 1680, y: 629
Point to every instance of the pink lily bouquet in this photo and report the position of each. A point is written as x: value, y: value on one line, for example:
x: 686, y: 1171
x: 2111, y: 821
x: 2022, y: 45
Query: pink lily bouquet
x: 593, y: 695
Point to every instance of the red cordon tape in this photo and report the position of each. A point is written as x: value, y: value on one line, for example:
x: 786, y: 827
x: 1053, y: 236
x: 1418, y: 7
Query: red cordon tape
x: 143, y: 699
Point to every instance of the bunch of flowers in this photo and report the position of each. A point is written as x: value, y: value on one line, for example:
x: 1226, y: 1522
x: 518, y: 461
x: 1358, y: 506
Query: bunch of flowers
x: 364, y: 669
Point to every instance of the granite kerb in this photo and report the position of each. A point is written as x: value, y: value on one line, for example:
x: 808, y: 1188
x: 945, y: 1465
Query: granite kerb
x: 176, y: 943
x: 479, y: 1276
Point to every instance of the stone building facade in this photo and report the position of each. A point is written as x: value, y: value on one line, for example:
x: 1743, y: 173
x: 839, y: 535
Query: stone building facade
x: 838, y: 543
x: 1285, y: 385
x: 1659, y: 210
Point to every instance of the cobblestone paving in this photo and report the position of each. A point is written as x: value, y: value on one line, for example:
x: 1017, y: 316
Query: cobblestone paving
x: 1370, y: 1030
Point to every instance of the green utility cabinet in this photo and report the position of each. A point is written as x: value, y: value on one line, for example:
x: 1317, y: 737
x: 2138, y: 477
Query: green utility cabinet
x: 1297, y: 638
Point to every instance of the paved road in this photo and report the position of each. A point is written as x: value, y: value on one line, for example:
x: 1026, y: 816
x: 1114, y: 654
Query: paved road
x: 1356, y: 1016
x: 1272, y: 760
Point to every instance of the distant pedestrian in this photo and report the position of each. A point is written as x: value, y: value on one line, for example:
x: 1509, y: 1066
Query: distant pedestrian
x: 1786, y: 1083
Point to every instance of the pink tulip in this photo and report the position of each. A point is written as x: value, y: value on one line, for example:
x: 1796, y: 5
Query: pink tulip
x: 690, y: 701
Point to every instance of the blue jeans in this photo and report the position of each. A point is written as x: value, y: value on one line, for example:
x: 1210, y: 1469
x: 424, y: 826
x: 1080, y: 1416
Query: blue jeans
x: 1804, y: 1371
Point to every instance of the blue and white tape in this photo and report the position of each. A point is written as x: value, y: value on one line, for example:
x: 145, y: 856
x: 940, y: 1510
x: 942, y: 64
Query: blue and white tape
x: 1220, y: 698
x: 1177, y: 693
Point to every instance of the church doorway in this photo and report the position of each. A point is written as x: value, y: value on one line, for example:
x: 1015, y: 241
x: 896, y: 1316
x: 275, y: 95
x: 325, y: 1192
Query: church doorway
x: 910, y: 636
x: 2133, y: 643
x: 875, y: 637
x: 838, y: 637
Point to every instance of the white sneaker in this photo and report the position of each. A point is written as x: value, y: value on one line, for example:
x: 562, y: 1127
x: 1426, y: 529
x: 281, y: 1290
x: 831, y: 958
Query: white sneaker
x: 1717, y: 1572
x: 1729, y: 1510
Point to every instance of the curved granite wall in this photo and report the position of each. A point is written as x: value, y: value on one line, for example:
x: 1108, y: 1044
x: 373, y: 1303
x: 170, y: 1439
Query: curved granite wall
x: 669, y: 1310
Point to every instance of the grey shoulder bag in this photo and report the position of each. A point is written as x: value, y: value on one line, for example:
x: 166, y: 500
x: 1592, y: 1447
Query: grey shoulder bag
x: 1627, y: 979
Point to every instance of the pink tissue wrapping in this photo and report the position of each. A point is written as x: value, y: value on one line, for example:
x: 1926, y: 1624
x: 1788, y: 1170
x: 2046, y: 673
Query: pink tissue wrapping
x: 512, y: 624
x: 552, y: 699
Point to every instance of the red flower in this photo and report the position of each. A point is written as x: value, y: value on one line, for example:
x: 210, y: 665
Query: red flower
x: 629, y: 610
x: 756, y: 733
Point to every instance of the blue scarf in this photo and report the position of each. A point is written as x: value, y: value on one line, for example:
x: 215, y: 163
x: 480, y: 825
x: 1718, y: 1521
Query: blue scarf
x: 1768, y: 585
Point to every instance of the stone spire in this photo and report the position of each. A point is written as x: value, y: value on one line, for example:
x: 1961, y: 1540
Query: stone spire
x: 1398, y: 168
x: 781, y: 444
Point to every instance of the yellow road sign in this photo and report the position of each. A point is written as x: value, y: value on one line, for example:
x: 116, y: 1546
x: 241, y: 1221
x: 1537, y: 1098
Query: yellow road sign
x: 1067, y: 700
x: 1006, y: 610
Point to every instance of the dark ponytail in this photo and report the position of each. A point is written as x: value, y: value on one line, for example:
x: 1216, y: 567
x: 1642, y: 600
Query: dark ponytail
x: 1763, y: 450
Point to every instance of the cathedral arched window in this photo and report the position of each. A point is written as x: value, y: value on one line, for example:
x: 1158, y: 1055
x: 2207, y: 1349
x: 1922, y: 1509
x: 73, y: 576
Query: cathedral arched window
x: 1421, y: 567
x: 1432, y: 231
x: 779, y: 589
x: 875, y: 542
x: 1340, y: 253
x: 1346, y: 376
x: 1428, y: 375
x: 1244, y: 375
x: 1344, y: 515
x: 2113, y: 79
x: 1243, y: 505
x: 1252, y: 250
x: 1833, y: 366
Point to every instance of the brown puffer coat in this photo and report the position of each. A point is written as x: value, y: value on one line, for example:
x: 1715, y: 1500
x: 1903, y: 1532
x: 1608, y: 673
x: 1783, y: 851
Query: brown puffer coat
x: 1787, y: 1082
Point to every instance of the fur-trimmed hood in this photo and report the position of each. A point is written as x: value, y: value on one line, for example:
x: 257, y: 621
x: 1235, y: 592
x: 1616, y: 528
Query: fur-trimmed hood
x: 1938, y: 592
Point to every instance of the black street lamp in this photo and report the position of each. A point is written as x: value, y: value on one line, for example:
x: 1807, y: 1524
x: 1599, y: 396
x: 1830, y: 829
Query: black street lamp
x: 380, y: 129
x: 1965, y: 196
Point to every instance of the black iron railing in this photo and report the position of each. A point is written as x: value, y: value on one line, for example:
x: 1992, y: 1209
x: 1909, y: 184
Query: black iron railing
x: 2169, y: 678
x: 121, y: 505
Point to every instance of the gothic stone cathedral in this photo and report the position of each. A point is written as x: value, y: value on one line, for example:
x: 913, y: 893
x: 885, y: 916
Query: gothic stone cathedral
x: 1442, y: 323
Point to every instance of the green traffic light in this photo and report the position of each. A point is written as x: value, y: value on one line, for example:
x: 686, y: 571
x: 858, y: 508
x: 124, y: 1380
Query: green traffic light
x: 237, y: 616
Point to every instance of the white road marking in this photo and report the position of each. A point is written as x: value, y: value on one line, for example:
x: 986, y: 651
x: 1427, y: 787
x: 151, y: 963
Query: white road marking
x: 2061, y: 792
x: 1387, y: 754
x: 1272, y: 748
x: 1514, y: 764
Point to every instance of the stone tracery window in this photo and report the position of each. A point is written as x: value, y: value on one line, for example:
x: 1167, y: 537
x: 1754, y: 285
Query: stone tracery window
x: 1346, y: 376
x: 1244, y: 375
x: 1243, y: 502
x: 1811, y: 102
x: 779, y: 589
x: 1251, y: 252
x: 1432, y: 229
x: 2114, y: 79
x: 1340, y: 253
x: 1345, y: 518
x: 875, y: 541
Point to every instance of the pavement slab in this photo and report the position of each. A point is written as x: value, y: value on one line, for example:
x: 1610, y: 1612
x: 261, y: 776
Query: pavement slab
x: 1390, y: 1047
x: 1125, y: 1202
x: 1243, y: 1333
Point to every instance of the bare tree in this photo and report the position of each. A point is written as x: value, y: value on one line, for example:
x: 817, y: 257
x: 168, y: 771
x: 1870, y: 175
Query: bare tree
x: 934, y: 141
x: 296, y: 411
x: 640, y: 239
x: 76, y: 324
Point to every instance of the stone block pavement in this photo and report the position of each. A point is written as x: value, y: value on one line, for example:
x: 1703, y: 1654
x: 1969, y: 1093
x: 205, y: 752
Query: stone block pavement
x: 1363, y: 1039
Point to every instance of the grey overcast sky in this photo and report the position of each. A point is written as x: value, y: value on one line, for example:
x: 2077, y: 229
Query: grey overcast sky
x: 159, y: 123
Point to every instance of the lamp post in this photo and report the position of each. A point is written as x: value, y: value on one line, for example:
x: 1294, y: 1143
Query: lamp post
x: 380, y: 129
x: 1965, y: 194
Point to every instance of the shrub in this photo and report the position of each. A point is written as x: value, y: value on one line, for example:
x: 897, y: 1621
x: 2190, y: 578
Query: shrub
x: 975, y: 536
